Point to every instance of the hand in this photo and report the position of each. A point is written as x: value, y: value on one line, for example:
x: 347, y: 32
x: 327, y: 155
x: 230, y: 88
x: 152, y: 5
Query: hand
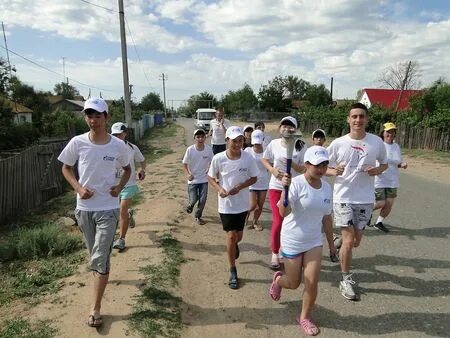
x: 286, y: 180
x: 223, y: 193
x: 190, y: 177
x: 372, y: 171
x: 141, y: 175
x: 85, y: 193
x: 403, y: 165
x: 340, y: 168
x: 115, y: 190
x: 233, y: 191
x: 333, y: 250
x: 277, y: 173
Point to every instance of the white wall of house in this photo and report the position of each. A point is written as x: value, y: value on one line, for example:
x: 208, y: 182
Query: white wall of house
x: 365, y: 100
x: 23, y: 118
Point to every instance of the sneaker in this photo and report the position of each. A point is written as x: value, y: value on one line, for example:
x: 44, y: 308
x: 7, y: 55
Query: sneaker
x: 275, y: 262
x: 119, y: 244
x: 131, y: 222
x: 334, y: 258
x: 189, y: 209
x: 233, y: 282
x: 346, y: 287
x: 199, y: 221
x: 380, y: 226
x: 259, y: 227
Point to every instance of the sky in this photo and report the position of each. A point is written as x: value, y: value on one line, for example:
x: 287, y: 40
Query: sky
x: 218, y: 46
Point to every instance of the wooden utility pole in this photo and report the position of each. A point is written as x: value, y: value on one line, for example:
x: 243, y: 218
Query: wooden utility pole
x: 126, y: 85
x: 163, y: 77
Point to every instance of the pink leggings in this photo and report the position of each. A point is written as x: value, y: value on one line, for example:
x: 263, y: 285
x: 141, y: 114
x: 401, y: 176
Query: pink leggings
x: 277, y: 220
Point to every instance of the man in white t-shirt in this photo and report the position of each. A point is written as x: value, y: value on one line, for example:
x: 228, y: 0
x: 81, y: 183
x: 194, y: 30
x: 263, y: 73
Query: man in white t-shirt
x: 218, y: 128
x: 119, y: 130
x: 354, y: 157
x: 98, y: 154
x: 231, y: 173
x: 196, y: 162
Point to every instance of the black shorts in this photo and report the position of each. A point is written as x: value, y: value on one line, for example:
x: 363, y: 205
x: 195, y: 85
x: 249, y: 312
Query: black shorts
x: 218, y: 148
x: 233, y: 222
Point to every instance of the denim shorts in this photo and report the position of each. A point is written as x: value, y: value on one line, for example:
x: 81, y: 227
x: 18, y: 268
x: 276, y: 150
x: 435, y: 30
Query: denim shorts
x: 99, y: 229
x: 348, y: 214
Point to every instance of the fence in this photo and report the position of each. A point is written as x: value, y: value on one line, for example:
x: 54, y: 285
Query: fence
x: 29, y: 179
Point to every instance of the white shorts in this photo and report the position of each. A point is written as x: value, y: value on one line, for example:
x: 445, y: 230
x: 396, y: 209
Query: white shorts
x: 348, y: 214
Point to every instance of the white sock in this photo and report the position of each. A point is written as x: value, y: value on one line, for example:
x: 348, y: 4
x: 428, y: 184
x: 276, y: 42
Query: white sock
x: 380, y: 219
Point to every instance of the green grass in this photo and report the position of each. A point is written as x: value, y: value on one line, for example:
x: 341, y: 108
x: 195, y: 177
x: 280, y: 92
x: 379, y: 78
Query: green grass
x: 21, y: 328
x: 440, y: 157
x: 157, y: 311
x: 161, y: 134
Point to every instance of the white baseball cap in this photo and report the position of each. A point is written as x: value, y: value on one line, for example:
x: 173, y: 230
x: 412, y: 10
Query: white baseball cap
x: 257, y: 137
x: 118, y: 128
x: 96, y: 104
x: 316, y: 155
x: 318, y: 131
x: 247, y: 126
x: 291, y: 120
x: 199, y: 131
x: 233, y: 132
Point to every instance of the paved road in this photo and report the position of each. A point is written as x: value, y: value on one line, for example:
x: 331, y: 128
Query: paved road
x: 404, y: 276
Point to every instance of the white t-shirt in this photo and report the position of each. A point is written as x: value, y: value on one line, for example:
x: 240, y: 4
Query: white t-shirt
x: 354, y: 185
x: 276, y: 154
x: 230, y: 174
x: 198, y: 163
x: 97, y: 169
x: 302, y: 228
x: 390, y: 178
x: 218, y: 134
x: 267, y: 140
x: 263, y: 174
x: 135, y: 155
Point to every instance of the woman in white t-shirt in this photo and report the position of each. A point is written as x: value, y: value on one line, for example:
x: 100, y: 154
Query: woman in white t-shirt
x: 387, y: 183
x: 309, y: 209
x: 267, y: 139
x: 274, y: 159
x: 258, y: 191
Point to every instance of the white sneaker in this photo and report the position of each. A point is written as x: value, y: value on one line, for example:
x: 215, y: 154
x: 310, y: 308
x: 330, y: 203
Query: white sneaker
x: 346, y: 287
x: 119, y: 244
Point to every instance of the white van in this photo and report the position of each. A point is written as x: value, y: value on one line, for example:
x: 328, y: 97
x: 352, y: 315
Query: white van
x: 204, y: 117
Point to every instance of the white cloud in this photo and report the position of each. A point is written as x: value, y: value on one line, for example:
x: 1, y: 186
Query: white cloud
x: 176, y: 10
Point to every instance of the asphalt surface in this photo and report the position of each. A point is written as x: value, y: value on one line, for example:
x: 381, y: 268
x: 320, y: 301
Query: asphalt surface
x: 403, y: 276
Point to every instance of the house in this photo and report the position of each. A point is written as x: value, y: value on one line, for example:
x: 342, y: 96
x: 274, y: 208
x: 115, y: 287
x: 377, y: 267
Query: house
x: 58, y: 102
x: 21, y: 113
x: 388, y: 98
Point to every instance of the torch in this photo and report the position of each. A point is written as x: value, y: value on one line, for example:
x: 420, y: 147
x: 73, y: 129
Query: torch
x: 289, y: 137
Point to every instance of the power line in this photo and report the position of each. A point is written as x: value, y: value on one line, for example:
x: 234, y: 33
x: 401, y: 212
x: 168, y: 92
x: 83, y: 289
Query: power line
x: 105, y: 8
x: 54, y: 72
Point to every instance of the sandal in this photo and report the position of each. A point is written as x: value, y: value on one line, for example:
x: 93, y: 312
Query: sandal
x: 94, y: 321
x: 308, y: 327
x: 258, y: 227
x: 275, y: 289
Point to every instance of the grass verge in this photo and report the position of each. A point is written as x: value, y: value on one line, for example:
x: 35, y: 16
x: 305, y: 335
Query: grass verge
x: 157, y: 311
x: 440, y: 157
x: 24, y: 329
x: 155, y: 142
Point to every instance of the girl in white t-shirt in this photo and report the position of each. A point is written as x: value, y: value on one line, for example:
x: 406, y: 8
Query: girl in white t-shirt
x: 258, y: 191
x: 274, y: 159
x: 309, y: 209
x: 387, y: 183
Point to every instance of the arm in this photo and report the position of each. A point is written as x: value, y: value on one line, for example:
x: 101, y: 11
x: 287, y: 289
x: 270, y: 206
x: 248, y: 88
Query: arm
x: 222, y: 192
x: 239, y: 187
x: 187, y: 172
x: 274, y: 171
x: 327, y: 222
x: 374, y: 171
x: 141, y: 173
x: 116, y: 189
x: 69, y: 175
x: 298, y: 167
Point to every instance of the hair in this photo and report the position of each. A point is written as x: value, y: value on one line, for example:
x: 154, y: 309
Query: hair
x: 299, y: 144
x: 201, y: 131
x: 358, y: 105
x: 220, y: 109
x: 382, y: 133
x: 250, y: 127
x: 318, y: 134
x: 93, y: 111
x: 287, y: 123
x: 259, y: 124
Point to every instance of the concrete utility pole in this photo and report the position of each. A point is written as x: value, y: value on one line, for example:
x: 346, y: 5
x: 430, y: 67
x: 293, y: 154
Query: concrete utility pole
x: 163, y: 77
x: 64, y: 68
x: 126, y: 85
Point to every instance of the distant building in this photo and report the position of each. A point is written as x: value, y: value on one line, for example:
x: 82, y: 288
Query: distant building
x: 388, y: 98
x: 21, y: 113
x: 76, y: 105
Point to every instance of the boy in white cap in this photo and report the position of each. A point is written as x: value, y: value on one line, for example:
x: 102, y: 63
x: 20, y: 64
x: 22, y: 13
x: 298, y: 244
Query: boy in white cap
x: 119, y: 130
x: 98, y: 154
x: 248, y: 129
x: 235, y: 171
x: 318, y: 137
x: 196, y: 162
x: 258, y: 191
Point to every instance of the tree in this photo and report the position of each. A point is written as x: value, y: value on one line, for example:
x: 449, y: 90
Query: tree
x: 243, y: 99
x: 203, y: 100
x: 404, y: 75
x: 317, y: 95
x: 66, y: 90
x: 151, y: 102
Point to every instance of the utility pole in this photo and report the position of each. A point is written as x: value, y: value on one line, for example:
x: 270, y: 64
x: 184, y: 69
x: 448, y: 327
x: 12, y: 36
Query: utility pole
x: 163, y: 77
x: 64, y: 68
x: 126, y: 87
x: 331, y: 91
x: 7, y: 52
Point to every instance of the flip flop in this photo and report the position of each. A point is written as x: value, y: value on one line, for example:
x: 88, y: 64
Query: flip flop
x: 275, y: 289
x: 308, y: 327
x: 94, y: 322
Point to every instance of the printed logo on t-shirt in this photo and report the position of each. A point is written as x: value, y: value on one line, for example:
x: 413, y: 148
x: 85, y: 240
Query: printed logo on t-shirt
x: 108, y: 158
x: 357, y: 156
x: 243, y: 170
x: 327, y: 201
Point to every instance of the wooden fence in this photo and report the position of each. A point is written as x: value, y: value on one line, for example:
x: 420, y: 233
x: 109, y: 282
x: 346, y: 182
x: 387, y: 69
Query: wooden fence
x: 407, y: 136
x: 30, y: 178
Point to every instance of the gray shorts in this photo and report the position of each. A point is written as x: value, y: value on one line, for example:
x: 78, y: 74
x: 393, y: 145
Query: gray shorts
x: 348, y: 214
x: 99, y: 229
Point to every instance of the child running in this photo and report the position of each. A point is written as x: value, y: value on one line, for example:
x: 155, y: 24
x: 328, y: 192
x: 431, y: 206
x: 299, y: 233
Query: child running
x: 309, y: 208
x: 196, y: 162
x: 235, y: 171
x: 258, y: 191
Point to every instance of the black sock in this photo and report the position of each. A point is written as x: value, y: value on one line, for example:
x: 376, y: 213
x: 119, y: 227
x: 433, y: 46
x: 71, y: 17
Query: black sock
x: 233, y: 270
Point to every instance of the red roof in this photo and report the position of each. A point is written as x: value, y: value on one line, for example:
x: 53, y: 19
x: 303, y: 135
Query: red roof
x: 388, y: 97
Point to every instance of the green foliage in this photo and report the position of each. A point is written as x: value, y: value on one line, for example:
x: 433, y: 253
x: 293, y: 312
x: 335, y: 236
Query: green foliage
x: 16, y: 136
x: 203, y: 100
x: 4, y: 77
x: 243, y: 99
x: 272, y: 96
x: 61, y: 123
x: 22, y: 328
x: 66, y: 90
x: 151, y: 102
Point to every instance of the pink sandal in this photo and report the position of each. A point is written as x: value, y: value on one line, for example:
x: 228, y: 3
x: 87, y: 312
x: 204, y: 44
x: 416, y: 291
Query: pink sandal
x: 275, y: 289
x: 308, y: 327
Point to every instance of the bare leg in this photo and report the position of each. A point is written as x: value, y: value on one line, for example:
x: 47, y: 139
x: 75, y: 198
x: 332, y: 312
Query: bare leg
x: 261, y: 198
x: 252, y: 207
x: 386, y: 209
x: 345, y: 253
x: 311, y: 271
x: 124, y: 219
x: 293, y: 273
x: 100, y: 282
x: 233, y: 237
x: 379, y: 205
